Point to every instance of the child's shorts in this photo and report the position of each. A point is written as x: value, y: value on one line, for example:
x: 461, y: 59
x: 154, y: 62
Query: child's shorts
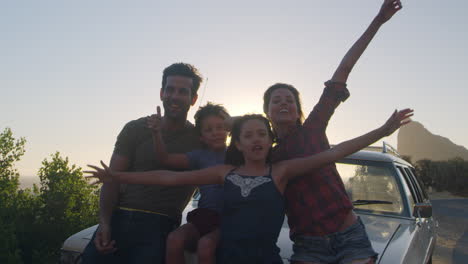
x: 340, y: 247
x: 204, y: 219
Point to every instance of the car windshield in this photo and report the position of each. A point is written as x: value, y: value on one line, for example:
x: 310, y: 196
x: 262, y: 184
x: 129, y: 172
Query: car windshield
x: 371, y: 188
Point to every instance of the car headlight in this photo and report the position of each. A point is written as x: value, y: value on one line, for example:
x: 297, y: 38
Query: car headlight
x: 70, y: 257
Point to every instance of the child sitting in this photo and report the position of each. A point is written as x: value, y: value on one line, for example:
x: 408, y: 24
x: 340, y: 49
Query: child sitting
x: 201, y: 232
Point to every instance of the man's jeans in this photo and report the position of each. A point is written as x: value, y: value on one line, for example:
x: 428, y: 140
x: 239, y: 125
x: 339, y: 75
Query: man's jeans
x: 140, y: 238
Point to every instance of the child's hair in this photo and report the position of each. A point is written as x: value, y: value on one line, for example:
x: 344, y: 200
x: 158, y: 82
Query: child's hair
x: 233, y: 155
x: 207, y: 110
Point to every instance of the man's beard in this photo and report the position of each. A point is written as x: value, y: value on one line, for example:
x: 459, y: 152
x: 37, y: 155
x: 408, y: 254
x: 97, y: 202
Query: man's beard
x: 178, y: 114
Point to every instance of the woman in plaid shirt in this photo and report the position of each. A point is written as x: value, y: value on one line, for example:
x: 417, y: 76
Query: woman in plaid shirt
x: 323, y: 226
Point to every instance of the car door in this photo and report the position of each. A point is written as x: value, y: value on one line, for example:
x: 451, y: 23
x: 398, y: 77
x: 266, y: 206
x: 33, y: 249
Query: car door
x: 427, y: 229
x: 422, y: 229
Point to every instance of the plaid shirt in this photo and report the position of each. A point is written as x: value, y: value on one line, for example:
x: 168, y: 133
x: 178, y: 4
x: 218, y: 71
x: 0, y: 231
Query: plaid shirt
x: 317, y: 202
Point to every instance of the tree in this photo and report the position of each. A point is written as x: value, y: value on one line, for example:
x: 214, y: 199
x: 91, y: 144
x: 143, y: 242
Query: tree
x: 11, y: 150
x: 35, y: 222
x: 423, y: 168
x: 459, y: 175
x: 66, y: 204
x: 451, y: 175
x: 66, y: 194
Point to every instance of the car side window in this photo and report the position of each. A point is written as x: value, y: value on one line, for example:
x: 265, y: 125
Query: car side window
x: 417, y: 190
x: 416, y: 185
x: 413, y: 196
x: 412, y: 171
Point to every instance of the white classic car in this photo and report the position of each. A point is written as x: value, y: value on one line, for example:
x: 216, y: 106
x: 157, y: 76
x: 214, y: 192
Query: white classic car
x: 386, y: 194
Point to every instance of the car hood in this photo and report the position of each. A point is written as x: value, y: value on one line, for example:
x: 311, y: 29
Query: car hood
x: 381, y: 230
x: 78, y: 241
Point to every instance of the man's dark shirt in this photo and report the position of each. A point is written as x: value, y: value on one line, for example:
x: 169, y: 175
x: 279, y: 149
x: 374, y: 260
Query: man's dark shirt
x: 135, y: 142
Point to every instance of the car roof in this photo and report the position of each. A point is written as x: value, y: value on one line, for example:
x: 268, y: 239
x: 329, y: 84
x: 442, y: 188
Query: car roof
x: 376, y: 156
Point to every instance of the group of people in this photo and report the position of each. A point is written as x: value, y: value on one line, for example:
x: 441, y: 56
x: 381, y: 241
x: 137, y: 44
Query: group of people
x: 246, y: 188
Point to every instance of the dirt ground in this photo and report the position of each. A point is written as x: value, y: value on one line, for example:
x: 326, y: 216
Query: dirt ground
x: 443, y: 195
x: 451, y: 212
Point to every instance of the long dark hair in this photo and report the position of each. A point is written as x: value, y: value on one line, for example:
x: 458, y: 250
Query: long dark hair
x: 233, y: 155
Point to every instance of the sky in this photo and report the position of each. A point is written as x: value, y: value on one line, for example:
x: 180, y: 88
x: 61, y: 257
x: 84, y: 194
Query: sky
x: 72, y: 73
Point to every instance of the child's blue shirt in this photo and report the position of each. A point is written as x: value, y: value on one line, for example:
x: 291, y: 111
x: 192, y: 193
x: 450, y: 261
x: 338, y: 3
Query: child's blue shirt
x: 211, y: 195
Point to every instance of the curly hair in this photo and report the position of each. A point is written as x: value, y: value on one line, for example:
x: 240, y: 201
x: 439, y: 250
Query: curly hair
x: 209, y: 109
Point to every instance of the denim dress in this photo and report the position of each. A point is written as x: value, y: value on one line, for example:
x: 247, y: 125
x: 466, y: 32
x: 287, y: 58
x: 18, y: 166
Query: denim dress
x: 252, y: 216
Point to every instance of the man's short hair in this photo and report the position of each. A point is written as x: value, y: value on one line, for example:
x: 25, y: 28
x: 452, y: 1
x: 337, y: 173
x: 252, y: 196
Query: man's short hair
x: 186, y: 70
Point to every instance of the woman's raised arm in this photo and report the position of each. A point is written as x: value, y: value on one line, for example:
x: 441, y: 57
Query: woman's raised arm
x: 387, y: 10
x: 295, y: 167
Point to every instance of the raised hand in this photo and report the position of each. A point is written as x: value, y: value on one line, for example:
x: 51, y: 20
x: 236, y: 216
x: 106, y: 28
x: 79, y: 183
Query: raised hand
x: 396, y: 120
x: 388, y: 9
x: 102, y: 175
x: 154, y: 121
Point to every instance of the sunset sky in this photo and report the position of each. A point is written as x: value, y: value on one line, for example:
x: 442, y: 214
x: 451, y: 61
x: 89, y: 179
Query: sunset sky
x: 72, y: 73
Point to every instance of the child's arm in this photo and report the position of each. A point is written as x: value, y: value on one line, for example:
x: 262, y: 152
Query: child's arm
x: 212, y: 175
x: 292, y: 168
x: 177, y: 161
x: 388, y: 9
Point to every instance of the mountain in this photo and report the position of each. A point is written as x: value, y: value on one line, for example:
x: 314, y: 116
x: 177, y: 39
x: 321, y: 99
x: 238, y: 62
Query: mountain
x: 416, y: 141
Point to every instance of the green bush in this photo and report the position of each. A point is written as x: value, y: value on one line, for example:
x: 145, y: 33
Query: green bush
x: 67, y: 204
x: 11, y: 150
x: 451, y: 175
x: 35, y: 222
